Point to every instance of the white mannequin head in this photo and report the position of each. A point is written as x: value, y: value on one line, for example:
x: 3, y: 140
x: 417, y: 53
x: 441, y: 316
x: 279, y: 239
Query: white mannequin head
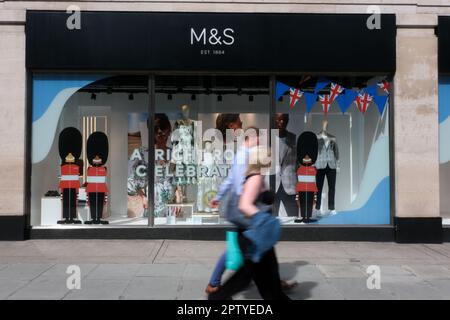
x: 325, y: 125
x: 185, y: 110
x: 208, y: 146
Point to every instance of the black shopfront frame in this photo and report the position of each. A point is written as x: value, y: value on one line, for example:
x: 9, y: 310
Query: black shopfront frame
x: 44, y: 31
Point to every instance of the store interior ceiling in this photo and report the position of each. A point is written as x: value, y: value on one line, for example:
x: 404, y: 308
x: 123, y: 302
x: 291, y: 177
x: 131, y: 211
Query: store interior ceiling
x: 240, y: 85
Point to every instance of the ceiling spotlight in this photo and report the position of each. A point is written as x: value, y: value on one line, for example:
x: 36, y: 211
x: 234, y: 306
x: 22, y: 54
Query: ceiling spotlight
x: 130, y: 96
x: 193, y: 97
x: 169, y: 96
x: 93, y: 96
x: 250, y: 98
x: 219, y: 97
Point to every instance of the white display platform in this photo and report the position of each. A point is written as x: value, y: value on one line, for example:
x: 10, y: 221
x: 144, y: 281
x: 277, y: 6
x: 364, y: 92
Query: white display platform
x: 51, y: 208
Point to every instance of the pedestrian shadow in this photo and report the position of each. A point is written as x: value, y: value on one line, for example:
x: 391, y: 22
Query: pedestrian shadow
x: 288, y: 271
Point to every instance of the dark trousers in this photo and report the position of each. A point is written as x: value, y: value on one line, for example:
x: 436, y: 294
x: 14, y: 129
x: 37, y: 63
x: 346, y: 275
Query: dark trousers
x: 331, y: 178
x: 70, y: 203
x: 306, y: 204
x: 96, y: 201
x: 265, y: 275
x: 288, y: 201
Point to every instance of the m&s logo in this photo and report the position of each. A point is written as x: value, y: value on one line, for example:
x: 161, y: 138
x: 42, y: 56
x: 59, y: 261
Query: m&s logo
x: 212, y: 36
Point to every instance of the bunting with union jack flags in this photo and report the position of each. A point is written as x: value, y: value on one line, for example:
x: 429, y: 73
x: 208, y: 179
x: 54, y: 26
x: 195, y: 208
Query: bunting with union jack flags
x: 326, y: 102
x: 294, y: 96
x: 385, y: 86
x: 335, y: 91
x: 362, y: 101
x: 376, y: 93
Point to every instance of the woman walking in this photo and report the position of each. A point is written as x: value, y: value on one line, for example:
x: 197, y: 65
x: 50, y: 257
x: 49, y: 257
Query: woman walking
x: 254, y: 203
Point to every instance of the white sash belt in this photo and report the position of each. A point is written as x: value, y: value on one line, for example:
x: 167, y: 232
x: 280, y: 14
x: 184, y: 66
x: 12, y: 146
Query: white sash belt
x: 306, y: 178
x: 96, y: 179
x: 70, y: 178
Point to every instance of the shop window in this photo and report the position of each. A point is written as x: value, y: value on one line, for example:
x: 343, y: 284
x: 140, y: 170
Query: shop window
x: 348, y: 117
x: 192, y: 116
x: 98, y: 110
x: 444, y: 148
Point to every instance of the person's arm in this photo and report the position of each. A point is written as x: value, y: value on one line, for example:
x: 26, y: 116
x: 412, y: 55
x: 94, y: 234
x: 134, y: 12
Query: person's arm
x: 252, y: 189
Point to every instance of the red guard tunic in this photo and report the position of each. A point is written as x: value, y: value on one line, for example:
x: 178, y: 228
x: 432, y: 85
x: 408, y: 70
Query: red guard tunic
x: 96, y: 180
x: 306, y: 179
x: 70, y: 177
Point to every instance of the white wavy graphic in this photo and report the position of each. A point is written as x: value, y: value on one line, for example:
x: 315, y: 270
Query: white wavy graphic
x: 444, y: 141
x: 44, y: 128
x: 376, y: 170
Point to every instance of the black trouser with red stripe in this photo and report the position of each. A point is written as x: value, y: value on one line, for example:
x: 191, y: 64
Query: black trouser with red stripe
x: 306, y: 204
x: 96, y: 202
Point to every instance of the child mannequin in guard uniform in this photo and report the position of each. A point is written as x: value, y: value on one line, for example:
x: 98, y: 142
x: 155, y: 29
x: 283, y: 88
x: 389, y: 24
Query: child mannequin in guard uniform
x: 70, y: 144
x: 307, y: 148
x: 97, y: 189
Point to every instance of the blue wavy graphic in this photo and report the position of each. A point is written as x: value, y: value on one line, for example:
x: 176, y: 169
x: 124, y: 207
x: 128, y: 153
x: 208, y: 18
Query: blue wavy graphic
x: 375, y: 211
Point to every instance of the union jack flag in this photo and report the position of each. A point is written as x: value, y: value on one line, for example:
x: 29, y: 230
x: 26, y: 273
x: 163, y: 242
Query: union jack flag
x: 335, y: 91
x: 384, y: 85
x: 362, y: 101
x: 326, y: 102
x: 294, y: 96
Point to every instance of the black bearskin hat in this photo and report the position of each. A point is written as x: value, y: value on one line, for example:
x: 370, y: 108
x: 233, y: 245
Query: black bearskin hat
x: 307, y: 145
x: 97, y: 145
x: 70, y: 141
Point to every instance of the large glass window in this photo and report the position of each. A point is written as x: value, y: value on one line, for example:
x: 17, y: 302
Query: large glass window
x: 89, y: 149
x: 444, y: 148
x: 91, y: 138
x: 193, y: 114
x: 348, y: 119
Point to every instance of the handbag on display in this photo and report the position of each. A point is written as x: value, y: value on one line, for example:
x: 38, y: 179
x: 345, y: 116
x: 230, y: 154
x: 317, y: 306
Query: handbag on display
x: 234, y: 258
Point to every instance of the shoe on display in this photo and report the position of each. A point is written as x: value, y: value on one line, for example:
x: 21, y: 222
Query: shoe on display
x: 332, y: 212
x: 299, y: 220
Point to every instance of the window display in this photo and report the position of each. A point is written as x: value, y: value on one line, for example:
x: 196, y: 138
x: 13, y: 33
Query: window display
x: 349, y: 117
x: 84, y: 118
x: 329, y: 139
x: 191, y: 165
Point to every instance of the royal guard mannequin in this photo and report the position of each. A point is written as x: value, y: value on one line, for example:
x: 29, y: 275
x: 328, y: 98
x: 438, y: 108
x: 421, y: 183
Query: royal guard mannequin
x: 307, y: 148
x: 70, y: 145
x: 97, y: 189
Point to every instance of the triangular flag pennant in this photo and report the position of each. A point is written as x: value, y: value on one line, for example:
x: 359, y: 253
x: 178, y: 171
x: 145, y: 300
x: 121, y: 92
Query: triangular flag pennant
x: 280, y: 89
x: 346, y: 99
x: 372, y: 90
x: 325, y: 100
x: 294, y: 96
x: 311, y: 99
x: 380, y: 102
x: 335, y: 91
x: 385, y: 85
x: 321, y: 83
x: 362, y: 101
